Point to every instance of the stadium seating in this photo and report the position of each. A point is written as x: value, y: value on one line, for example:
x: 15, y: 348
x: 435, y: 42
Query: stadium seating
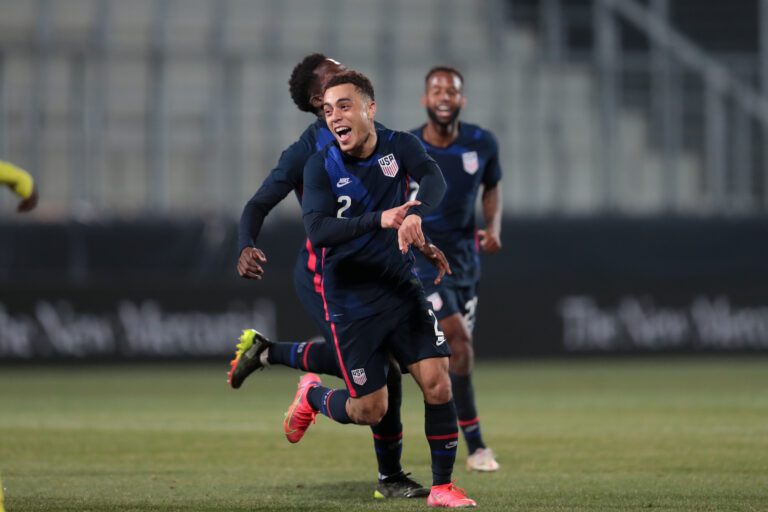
x: 188, y: 113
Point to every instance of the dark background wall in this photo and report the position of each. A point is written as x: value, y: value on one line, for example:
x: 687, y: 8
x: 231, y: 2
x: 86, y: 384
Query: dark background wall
x: 561, y: 285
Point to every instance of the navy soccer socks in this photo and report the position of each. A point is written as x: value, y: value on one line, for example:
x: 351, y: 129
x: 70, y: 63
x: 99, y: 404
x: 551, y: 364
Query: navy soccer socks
x: 388, y: 434
x: 464, y: 397
x: 330, y: 402
x: 311, y: 356
x: 443, y: 438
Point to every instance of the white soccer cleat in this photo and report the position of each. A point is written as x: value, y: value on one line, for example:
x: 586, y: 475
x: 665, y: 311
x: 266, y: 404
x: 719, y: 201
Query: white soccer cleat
x: 483, y: 460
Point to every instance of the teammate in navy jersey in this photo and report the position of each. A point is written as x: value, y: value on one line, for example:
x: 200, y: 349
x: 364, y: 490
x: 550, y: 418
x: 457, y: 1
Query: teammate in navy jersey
x: 254, y: 350
x: 355, y: 208
x: 469, y: 158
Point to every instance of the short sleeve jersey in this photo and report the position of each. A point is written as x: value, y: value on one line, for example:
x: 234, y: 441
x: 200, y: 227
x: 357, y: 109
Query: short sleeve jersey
x: 471, y: 160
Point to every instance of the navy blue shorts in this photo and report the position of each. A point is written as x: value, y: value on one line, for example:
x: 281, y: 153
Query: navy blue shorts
x: 408, y: 332
x: 448, y: 299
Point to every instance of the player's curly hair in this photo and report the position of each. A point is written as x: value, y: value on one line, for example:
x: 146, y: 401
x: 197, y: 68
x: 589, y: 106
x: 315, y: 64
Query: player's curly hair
x: 301, y: 80
x: 443, y: 69
x: 359, y: 80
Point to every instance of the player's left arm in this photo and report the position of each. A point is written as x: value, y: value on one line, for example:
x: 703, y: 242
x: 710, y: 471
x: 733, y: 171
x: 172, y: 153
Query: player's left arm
x: 427, y: 173
x: 284, y: 178
x: 490, y: 237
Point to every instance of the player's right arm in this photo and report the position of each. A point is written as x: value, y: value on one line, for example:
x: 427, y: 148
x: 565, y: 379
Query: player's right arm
x: 21, y: 182
x: 280, y: 182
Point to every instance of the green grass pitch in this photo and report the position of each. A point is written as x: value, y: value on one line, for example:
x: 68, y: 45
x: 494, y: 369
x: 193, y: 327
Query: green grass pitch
x: 607, y: 435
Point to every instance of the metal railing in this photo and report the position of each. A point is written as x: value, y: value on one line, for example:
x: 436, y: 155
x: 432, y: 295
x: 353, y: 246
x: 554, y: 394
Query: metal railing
x: 686, y: 86
x: 720, y: 85
x: 723, y: 91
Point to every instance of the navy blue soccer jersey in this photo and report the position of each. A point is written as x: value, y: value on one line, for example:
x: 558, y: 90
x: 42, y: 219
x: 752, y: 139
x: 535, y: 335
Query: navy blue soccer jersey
x: 364, y: 272
x: 471, y: 160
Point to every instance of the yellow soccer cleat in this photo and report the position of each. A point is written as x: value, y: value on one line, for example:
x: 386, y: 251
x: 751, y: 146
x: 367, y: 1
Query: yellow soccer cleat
x: 247, y: 357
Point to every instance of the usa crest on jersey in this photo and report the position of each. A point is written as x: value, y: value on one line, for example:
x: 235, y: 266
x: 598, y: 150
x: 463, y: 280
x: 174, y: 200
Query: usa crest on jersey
x: 470, y: 161
x: 358, y: 376
x: 388, y: 165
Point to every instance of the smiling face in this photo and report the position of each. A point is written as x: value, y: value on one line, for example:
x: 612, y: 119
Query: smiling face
x: 349, y: 115
x: 443, y: 98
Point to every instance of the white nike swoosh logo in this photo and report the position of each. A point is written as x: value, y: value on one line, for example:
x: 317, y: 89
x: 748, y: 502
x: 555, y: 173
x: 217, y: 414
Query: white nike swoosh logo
x: 342, y: 183
x: 440, y: 341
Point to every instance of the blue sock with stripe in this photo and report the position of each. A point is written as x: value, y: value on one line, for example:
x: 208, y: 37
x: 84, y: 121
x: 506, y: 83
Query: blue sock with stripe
x: 464, y: 397
x: 330, y: 402
x: 311, y: 356
x: 388, y: 434
x: 443, y: 438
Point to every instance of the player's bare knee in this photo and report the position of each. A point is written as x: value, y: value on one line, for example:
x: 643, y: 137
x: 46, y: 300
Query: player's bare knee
x: 370, y: 417
x: 368, y: 412
x: 377, y: 412
x: 438, y: 391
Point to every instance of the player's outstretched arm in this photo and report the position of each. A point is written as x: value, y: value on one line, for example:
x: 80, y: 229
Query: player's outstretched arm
x: 281, y: 181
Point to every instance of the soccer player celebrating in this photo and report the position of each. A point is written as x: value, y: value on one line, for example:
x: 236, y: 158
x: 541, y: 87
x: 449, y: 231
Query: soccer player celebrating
x: 254, y: 351
x: 469, y: 158
x: 22, y: 183
x: 352, y: 207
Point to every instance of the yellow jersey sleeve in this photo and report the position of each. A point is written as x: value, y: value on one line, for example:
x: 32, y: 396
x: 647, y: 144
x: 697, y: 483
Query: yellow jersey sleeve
x: 17, y: 178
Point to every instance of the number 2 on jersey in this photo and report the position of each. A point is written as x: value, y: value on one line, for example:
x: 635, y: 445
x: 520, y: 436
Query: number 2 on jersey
x: 346, y: 202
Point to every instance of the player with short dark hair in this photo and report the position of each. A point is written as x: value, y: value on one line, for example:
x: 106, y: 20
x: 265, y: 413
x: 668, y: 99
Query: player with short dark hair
x: 21, y: 183
x: 469, y: 158
x: 303, y: 84
x: 353, y: 207
x: 254, y: 351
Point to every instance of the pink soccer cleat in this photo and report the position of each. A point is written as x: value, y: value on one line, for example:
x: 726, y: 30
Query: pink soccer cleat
x: 449, y: 496
x: 300, y: 414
